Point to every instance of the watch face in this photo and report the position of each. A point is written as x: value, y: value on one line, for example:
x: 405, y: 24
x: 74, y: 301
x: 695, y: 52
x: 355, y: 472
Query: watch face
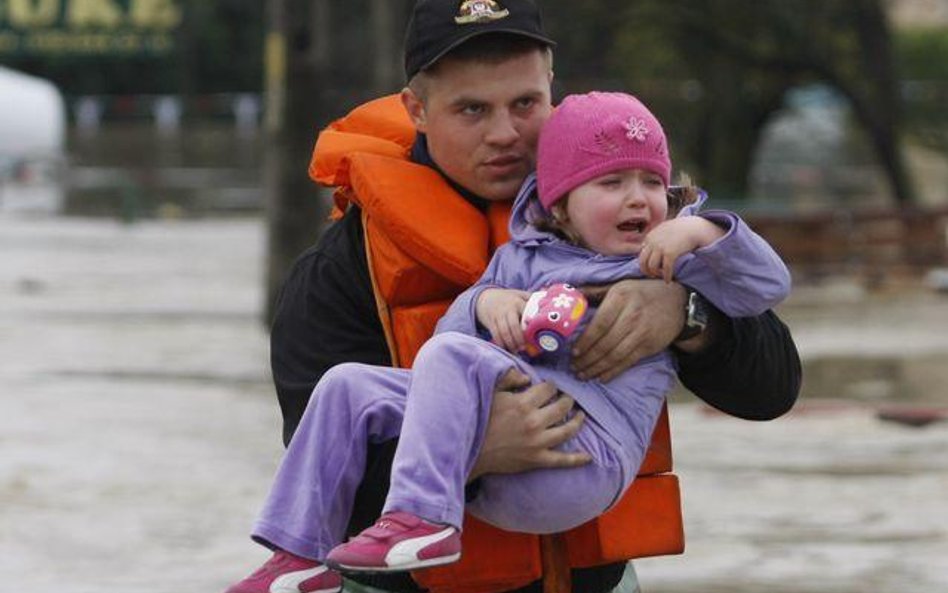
x: 696, y: 317
x: 697, y: 311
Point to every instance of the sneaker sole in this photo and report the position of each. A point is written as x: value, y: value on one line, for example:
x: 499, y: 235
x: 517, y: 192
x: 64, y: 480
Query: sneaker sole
x: 290, y: 582
x: 400, y: 568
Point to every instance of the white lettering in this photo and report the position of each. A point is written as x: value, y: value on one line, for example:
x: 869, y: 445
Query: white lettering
x: 158, y: 14
x: 25, y: 14
x: 93, y: 13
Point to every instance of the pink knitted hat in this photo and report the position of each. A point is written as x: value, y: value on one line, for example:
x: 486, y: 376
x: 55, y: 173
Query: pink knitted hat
x: 594, y: 134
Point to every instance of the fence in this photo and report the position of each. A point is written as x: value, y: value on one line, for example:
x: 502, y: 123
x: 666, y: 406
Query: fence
x: 872, y: 243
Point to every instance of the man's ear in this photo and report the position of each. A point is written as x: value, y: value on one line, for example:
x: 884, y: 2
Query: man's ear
x: 415, y: 108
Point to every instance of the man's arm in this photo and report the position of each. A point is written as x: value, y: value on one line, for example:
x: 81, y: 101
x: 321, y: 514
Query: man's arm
x: 325, y: 315
x: 748, y: 367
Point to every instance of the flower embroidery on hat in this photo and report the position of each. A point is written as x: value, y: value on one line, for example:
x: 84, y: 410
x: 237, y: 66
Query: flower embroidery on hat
x: 636, y: 129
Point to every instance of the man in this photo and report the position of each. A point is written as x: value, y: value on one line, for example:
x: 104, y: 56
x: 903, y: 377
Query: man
x: 479, y: 90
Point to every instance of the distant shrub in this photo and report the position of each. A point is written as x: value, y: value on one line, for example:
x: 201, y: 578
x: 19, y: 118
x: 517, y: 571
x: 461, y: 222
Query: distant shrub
x: 922, y: 60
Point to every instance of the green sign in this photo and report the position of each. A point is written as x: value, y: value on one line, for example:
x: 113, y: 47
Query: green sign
x: 88, y: 27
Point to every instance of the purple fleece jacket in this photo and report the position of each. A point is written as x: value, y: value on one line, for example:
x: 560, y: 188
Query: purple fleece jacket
x: 739, y: 273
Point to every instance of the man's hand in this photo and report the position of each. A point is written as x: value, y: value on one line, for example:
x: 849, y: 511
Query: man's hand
x: 637, y: 318
x: 526, y: 423
x: 499, y: 310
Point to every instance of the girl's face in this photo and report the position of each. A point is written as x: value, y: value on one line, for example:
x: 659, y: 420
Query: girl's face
x: 613, y: 212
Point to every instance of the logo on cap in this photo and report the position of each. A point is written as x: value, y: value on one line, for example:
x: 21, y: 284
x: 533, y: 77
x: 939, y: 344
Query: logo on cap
x: 480, y: 11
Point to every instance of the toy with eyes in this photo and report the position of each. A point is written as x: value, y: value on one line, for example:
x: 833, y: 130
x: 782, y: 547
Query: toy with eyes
x: 550, y: 317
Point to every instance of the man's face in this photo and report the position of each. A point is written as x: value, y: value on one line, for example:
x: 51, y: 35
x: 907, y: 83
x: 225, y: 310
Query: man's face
x: 482, y: 121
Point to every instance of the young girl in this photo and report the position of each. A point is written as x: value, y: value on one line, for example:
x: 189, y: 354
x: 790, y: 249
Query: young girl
x: 596, y: 212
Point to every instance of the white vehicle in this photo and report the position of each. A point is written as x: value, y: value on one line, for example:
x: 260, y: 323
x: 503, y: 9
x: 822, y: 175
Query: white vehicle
x: 32, y: 138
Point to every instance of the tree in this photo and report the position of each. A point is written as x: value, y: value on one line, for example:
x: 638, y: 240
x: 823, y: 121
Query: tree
x: 923, y: 65
x: 323, y: 57
x: 295, y: 106
x: 717, y: 70
x: 747, y: 56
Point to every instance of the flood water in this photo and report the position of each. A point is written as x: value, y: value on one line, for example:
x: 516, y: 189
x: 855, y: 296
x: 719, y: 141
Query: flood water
x: 139, y: 430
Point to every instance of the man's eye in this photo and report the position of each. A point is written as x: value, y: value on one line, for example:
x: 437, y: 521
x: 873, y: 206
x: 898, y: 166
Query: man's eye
x: 525, y: 103
x: 472, y: 109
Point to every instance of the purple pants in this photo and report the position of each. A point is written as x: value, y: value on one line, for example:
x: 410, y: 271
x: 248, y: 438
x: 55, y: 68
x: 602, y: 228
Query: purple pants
x: 439, y: 411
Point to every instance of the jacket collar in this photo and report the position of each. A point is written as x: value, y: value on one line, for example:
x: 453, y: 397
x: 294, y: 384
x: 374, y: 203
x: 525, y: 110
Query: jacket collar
x: 420, y: 155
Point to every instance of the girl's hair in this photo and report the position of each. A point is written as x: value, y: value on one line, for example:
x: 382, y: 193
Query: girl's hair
x: 555, y: 222
x: 679, y: 196
x: 682, y: 194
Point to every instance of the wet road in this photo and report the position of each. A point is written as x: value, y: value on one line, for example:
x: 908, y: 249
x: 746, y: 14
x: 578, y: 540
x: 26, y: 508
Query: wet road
x: 139, y: 432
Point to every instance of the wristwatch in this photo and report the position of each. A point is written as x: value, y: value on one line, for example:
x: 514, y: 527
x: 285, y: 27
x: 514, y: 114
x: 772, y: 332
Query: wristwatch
x: 696, y: 315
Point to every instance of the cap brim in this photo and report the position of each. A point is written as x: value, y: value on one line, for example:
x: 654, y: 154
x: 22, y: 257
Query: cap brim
x: 474, y: 34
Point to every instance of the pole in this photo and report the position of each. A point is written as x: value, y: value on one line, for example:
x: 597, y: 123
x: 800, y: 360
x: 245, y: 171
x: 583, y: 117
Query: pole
x: 295, y: 208
x: 555, y: 562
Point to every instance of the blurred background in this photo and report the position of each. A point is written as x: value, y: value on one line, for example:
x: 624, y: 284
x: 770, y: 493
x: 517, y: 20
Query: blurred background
x: 153, y: 192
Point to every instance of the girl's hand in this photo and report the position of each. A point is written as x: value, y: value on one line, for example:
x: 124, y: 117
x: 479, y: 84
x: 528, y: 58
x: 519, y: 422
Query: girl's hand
x: 673, y: 238
x: 499, y: 310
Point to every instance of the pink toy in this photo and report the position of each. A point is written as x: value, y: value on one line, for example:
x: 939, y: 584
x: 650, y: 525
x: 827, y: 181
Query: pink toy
x: 550, y: 317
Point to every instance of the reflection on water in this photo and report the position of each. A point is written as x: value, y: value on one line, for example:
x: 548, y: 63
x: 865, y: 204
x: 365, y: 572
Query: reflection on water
x: 132, y: 170
x: 915, y: 379
x: 871, y: 380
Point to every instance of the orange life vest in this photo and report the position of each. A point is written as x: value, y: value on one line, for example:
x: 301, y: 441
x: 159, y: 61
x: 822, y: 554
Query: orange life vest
x: 425, y: 244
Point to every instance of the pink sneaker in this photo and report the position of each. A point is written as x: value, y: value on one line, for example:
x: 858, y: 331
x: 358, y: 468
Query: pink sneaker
x: 397, y: 542
x: 286, y: 573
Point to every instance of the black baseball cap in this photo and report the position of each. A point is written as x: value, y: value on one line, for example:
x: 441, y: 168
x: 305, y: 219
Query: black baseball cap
x: 438, y: 26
